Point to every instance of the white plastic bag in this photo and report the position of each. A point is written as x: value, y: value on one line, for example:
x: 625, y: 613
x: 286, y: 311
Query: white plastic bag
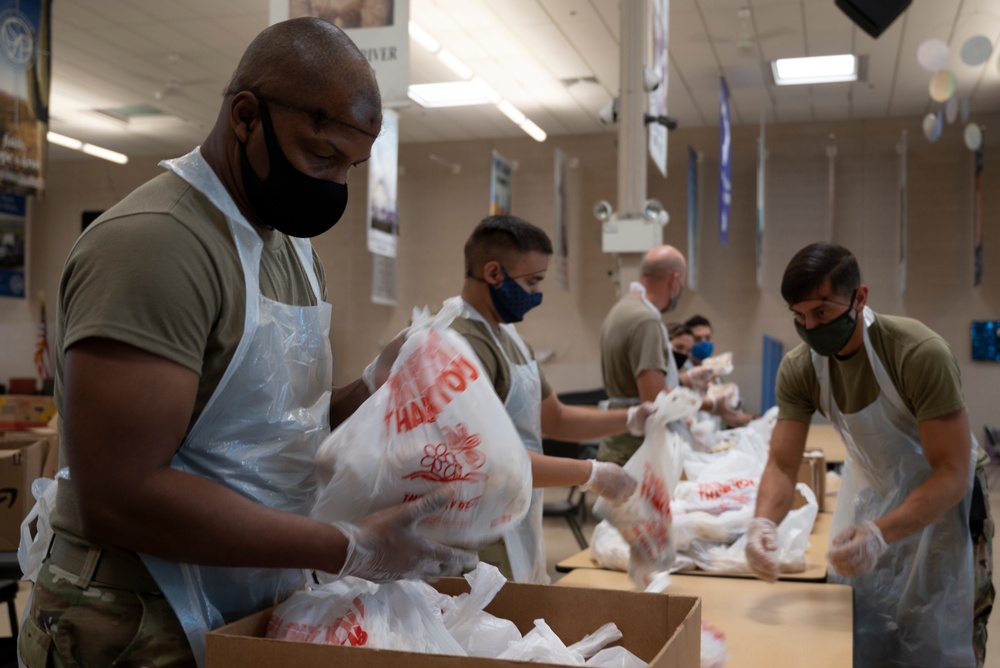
x: 608, y: 548
x: 713, y: 647
x: 644, y: 520
x: 357, y: 613
x: 478, y: 632
x: 437, y: 420
x: 542, y: 645
x: 615, y: 657
x: 33, y: 548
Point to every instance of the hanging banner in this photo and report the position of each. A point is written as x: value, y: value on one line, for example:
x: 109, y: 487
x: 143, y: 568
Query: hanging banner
x: 383, y: 280
x: 383, y: 171
x: 978, y: 216
x: 902, y: 213
x: 725, y: 181
x: 25, y: 73
x: 658, y: 97
x: 380, y: 29
x: 831, y: 157
x: 561, y: 260
x: 500, y: 185
x: 692, y: 254
x: 761, y: 157
x: 12, y: 245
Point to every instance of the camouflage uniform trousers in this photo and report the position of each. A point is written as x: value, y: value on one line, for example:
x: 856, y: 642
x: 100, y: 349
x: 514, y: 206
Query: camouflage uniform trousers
x: 100, y: 626
x: 618, y: 449
x: 982, y: 550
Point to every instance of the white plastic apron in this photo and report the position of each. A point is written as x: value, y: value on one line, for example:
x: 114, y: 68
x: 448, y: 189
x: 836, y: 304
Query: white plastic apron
x: 525, y: 547
x: 259, y: 432
x: 915, y: 608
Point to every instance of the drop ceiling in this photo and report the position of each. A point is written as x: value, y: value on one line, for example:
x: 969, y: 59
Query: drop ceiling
x: 556, y: 60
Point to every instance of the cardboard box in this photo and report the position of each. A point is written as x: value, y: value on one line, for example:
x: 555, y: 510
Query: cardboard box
x: 21, y: 411
x: 21, y: 459
x: 660, y: 629
x: 812, y: 471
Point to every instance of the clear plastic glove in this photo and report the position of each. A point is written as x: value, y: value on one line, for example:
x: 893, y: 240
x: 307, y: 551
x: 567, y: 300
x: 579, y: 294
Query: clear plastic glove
x: 377, y: 372
x: 856, y: 550
x: 610, y: 481
x: 731, y: 417
x: 762, y: 543
x: 698, y: 378
x: 637, y: 415
x: 386, y: 545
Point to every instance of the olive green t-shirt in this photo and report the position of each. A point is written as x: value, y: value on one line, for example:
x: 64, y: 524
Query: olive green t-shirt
x: 632, y: 341
x: 491, y: 357
x: 919, y: 362
x: 160, y: 271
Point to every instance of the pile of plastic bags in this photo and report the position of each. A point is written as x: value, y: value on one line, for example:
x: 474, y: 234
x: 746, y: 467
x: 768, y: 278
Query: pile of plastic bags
x: 412, y: 616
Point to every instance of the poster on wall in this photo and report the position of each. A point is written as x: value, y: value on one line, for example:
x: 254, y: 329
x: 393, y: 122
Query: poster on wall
x: 383, y: 280
x: 725, y: 150
x: 380, y: 28
x: 831, y: 187
x: 761, y: 157
x: 561, y: 260
x: 692, y: 254
x: 978, y: 217
x: 25, y: 69
x: 12, y: 245
x: 658, y: 97
x: 500, y: 185
x: 383, y: 174
x: 902, y: 213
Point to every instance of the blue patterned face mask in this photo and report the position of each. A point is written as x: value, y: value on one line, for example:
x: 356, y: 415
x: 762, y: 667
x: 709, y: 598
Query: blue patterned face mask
x: 702, y: 350
x: 511, y: 300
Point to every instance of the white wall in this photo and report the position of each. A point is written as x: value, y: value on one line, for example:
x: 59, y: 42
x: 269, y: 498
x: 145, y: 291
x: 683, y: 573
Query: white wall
x: 438, y: 209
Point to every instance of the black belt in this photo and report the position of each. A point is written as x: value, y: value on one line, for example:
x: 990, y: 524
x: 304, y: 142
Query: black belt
x: 96, y: 566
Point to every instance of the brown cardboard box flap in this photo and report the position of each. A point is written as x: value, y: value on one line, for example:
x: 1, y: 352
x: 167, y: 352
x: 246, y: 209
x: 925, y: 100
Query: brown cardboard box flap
x: 661, y: 630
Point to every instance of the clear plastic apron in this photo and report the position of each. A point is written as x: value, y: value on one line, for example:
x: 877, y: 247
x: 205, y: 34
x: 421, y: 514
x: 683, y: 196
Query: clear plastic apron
x: 915, y: 608
x: 525, y: 547
x: 259, y: 432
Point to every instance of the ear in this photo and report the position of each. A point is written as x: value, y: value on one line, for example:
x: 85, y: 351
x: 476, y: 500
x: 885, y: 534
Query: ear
x: 244, y: 114
x: 862, y: 299
x: 493, y: 273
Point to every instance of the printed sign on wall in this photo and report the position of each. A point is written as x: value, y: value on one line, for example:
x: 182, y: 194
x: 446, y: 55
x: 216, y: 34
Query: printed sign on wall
x: 725, y: 150
x: 500, y: 185
x: 383, y: 172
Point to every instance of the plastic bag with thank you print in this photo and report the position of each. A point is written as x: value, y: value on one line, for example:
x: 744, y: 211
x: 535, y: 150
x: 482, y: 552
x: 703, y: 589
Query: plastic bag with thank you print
x: 436, y: 421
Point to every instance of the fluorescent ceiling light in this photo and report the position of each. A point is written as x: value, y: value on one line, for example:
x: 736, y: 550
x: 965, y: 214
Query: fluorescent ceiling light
x: 89, y: 149
x: 423, y: 39
x: 533, y: 130
x: 450, y: 94
x: 105, y: 153
x: 511, y: 112
x: 818, y: 69
x: 63, y: 140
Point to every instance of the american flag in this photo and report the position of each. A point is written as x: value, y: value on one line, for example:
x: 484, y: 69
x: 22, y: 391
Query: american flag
x: 42, y: 363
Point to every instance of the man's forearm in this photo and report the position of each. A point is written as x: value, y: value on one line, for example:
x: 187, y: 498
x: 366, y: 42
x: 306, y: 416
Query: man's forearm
x: 924, y: 505
x: 775, y: 493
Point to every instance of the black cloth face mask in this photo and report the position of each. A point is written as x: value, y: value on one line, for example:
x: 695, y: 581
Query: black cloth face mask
x: 288, y: 200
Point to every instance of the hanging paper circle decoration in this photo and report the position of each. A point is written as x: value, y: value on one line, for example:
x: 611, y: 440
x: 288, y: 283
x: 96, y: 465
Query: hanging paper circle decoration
x: 951, y: 109
x: 973, y: 136
x: 931, y: 128
x: 933, y: 55
x: 943, y: 85
x: 976, y: 50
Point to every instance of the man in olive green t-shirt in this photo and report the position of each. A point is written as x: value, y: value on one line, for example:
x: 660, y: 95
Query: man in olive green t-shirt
x: 911, y: 531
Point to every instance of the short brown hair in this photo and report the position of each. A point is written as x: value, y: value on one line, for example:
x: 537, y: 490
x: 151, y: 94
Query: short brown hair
x: 500, y: 237
x: 814, y: 264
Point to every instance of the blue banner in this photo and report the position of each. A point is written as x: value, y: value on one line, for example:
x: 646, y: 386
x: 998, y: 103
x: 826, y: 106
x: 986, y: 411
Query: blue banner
x: 12, y: 245
x: 773, y: 351
x: 725, y: 148
x: 24, y: 92
x: 692, y: 254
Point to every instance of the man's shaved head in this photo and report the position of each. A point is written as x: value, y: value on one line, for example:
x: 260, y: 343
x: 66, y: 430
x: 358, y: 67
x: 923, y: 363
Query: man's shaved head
x: 303, y: 60
x: 662, y: 262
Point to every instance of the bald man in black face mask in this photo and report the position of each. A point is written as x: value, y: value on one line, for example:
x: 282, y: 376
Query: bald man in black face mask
x: 911, y: 530
x: 194, y: 380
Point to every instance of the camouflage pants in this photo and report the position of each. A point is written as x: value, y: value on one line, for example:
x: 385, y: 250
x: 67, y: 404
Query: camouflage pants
x: 618, y: 449
x: 981, y: 526
x: 69, y: 627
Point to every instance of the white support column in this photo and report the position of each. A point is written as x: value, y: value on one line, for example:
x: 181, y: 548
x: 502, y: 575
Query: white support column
x: 633, y: 35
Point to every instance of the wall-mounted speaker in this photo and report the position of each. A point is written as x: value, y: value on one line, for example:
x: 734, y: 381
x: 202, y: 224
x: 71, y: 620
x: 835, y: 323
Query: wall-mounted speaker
x: 873, y: 16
